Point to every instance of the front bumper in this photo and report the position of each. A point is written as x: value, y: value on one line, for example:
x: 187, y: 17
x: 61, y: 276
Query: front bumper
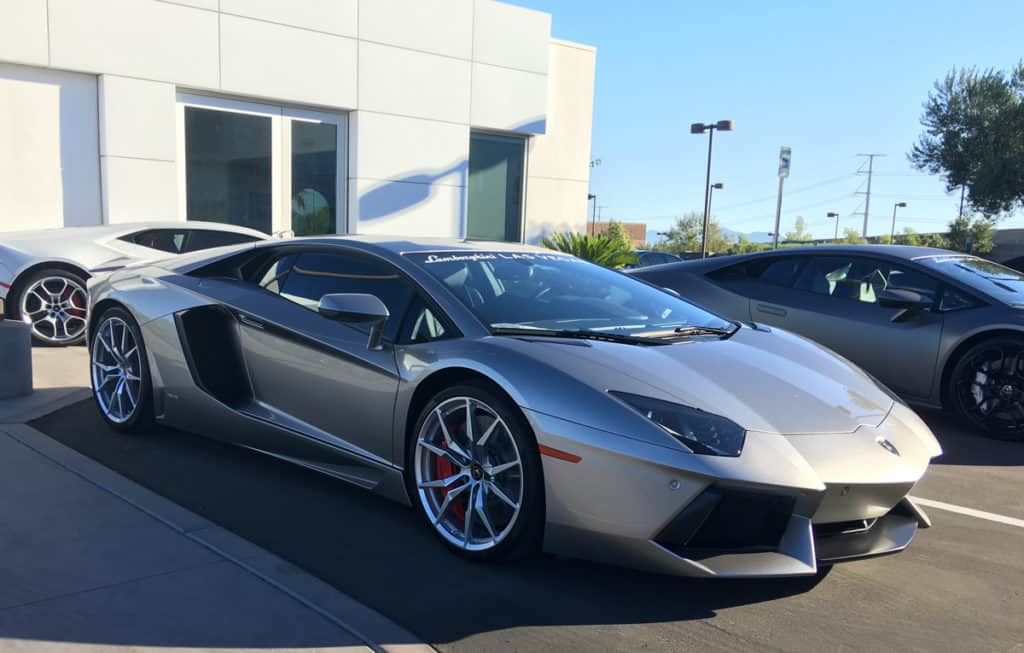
x: 785, y: 506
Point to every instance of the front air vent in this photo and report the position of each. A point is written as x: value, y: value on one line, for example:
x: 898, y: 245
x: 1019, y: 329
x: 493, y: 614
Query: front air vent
x: 728, y: 521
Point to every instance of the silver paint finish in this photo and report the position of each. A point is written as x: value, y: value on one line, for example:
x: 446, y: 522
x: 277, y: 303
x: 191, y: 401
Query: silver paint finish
x: 324, y: 401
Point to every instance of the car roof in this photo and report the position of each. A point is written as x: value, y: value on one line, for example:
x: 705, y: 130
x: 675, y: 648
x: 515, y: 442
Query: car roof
x: 408, y: 245
x: 902, y: 252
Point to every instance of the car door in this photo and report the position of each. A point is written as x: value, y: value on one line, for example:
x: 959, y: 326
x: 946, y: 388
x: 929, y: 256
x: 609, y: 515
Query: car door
x: 833, y: 299
x: 311, y: 374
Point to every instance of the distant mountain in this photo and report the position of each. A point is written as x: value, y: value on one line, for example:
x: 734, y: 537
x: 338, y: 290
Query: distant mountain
x: 759, y: 237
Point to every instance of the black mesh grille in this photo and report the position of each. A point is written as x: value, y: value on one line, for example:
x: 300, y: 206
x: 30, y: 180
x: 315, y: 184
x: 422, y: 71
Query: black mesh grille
x: 728, y: 520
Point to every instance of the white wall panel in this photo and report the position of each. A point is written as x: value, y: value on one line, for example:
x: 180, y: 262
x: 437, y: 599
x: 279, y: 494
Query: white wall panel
x: 410, y: 149
x: 137, y: 118
x: 554, y: 205
x: 507, y: 99
x: 49, y: 159
x: 409, y: 83
x: 209, y: 5
x: 138, y: 38
x: 138, y: 190
x: 406, y: 209
x: 439, y: 26
x: 505, y: 35
x: 23, y: 31
x: 287, y: 64
x: 334, y: 16
x: 564, y: 150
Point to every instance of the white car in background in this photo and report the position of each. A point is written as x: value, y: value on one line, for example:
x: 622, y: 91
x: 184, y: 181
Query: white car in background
x: 43, y: 273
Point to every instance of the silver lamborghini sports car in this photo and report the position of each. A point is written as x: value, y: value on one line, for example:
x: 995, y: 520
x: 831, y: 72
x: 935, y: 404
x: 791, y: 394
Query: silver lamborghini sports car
x: 43, y: 273
x: 519, y: 398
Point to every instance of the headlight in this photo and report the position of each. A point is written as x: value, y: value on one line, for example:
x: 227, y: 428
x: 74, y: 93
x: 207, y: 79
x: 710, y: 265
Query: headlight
x: 702, y: 432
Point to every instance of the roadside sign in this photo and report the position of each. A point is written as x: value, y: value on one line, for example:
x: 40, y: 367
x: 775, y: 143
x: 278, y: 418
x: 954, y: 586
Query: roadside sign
x: 785, y: 154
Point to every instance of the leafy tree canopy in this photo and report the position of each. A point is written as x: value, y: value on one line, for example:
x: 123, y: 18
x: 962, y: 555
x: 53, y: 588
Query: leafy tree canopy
x: 685, y: 235
x: 971, y: 235
x: 974, y: 137
x: 799, y: 233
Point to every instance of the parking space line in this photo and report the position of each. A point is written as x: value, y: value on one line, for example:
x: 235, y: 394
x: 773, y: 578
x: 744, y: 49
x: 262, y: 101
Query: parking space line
x: 970, y: 512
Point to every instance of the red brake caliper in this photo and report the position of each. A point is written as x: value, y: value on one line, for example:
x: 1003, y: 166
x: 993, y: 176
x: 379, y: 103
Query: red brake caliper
x: 75, y: 309
x: 444, y: 469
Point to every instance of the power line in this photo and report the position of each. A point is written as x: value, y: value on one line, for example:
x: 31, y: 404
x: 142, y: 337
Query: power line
x: 801, y: 189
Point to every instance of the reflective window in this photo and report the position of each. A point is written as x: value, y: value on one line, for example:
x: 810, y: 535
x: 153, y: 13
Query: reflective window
x: 228, y: 167
x: 164, y: 240
x: 552, y: 291
x: 314, y: 178
x: 315, y: 274
x: 862, y: 279
x: 421, y: 324
x: 495, y: 193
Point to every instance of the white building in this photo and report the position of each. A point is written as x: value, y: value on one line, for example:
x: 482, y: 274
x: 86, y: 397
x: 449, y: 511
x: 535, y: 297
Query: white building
x: 412, y: 117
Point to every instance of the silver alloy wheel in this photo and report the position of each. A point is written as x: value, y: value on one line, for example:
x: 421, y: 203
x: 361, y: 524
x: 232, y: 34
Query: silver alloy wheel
x: 56, y: 307
x: 116, y: 370
x: 469, y: 474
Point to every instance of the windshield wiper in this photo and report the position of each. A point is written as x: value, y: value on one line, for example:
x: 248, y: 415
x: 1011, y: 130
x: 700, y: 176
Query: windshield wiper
x: 581, y: 334
x: 704, y: 331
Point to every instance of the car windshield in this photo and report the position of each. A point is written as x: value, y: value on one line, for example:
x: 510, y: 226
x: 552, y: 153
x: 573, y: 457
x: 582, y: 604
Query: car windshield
x: 987, y: 276
x: 535, y: 290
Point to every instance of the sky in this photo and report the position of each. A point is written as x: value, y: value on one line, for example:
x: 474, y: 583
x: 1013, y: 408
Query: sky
x: 829, y: 79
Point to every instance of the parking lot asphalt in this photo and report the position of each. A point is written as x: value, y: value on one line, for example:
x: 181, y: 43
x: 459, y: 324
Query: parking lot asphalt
x: 959, y: 587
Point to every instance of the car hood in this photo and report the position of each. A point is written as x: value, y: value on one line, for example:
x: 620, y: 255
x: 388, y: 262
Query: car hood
x: 770, y: 381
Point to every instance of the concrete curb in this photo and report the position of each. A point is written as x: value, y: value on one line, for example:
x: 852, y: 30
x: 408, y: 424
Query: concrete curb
x: 362, y: 621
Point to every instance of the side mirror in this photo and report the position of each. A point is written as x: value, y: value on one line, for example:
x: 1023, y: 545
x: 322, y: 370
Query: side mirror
x: 908, y: 301
x: 357, y: 308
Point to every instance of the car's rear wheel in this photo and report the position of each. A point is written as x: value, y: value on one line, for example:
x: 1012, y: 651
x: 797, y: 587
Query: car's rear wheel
x: 474, y: 471
x: 119, y: 371
x: 55, y: 303
x: 987, y: 387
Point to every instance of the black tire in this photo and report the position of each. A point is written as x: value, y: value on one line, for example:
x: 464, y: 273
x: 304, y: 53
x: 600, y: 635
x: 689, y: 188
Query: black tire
x: 141, y: 416
x: 986, y: 388
x: 524, y: 538
x: 75, y: 312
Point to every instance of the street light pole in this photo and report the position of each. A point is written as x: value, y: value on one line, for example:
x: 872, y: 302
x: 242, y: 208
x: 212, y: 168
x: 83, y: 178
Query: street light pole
x: 711, y: 195
x: 700, y: 128
x: 593, y: 212
x: 892, y: 235
x: 833, y: 214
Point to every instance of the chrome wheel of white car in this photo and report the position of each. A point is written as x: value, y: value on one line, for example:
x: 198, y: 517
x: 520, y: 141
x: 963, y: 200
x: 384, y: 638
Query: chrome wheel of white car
x: 469, y: 473
x: 56, y: 305
x: 117, y: 370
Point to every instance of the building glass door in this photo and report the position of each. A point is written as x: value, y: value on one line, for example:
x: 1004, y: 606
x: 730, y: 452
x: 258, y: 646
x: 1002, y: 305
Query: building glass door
x: 496, y: 179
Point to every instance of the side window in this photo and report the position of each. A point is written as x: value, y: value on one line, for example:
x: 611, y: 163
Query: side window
x: 955, y: 300
x: 862, y: 279
x: 315, y: 274
x: 171, y: 241
x: 200, y: 239
x: 421, y: 324
x: 777, y: 272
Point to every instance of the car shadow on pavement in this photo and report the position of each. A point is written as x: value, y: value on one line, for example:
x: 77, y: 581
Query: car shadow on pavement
x: 963, y: 446
x: 380, y: 552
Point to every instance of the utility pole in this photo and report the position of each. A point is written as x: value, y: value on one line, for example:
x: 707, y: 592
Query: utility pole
x: 867, y: 195
x: 963, y: 189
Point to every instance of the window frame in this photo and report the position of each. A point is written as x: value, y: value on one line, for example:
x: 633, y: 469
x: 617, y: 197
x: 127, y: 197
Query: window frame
x: 281, y: 119
x: 274, y: 254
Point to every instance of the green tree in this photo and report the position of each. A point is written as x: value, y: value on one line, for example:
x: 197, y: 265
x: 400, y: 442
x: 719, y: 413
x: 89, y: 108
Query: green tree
x: 971, y: 235
x: 685, y: 235
x: 909, y: 237
x: 851, y: 237
x: 744, y: 245
x: 934, y: 240
x: 799, y: 233
x: 974, y: 137
x: 598, y: 248
x: 617, y: 232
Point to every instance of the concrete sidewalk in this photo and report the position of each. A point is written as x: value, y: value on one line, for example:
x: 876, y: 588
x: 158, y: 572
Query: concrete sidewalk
x: 90, y: 561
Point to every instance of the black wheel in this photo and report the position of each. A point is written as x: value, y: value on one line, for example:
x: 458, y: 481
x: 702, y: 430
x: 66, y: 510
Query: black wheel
x: 987, y: 387
x: 119, y: 371
x: 474, y: 471
x: 56, y: 304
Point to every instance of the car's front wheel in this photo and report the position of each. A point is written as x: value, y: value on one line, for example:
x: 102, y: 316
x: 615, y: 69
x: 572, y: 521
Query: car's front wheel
x: 55, y: 303
x: 475, y: 473
x: 119, y: 371
x: 987, y: 387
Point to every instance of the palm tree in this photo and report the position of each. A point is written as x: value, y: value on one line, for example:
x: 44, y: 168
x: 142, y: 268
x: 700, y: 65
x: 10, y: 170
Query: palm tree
x: 598, y: 248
